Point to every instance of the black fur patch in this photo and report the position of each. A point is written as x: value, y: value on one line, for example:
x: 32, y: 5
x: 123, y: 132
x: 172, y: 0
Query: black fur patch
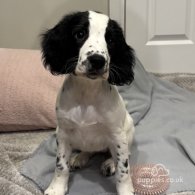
x: 59, y: 166
x: 57, y: 160
x: 126, y: 163
x: 60, y: 49
x: 122, y: 56
x: 89, y: 53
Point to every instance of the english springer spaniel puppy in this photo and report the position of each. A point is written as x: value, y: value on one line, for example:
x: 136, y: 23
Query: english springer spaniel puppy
x: 91, y: 115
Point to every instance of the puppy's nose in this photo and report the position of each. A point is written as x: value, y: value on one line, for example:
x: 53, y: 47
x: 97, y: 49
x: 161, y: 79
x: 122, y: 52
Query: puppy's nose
x: 97, y: 61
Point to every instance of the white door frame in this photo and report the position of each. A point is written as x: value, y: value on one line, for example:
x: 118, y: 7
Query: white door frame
x: 117, y: 11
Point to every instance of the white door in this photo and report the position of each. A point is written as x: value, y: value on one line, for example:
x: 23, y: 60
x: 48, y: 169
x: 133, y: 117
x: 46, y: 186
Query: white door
x: 162, y: 32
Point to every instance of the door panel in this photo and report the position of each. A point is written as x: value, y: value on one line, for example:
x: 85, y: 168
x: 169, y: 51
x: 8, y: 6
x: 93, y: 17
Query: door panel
x: 162, y: 32
x: 167, y: 26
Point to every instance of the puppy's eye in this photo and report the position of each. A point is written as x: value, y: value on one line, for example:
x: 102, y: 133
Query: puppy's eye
x: 80, y: 35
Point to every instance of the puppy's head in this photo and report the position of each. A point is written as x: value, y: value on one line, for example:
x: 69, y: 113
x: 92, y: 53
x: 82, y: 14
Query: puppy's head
x: 91, y: 45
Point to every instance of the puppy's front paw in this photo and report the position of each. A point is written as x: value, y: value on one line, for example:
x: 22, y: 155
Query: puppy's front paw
x: 56, y: 188
x: 126, y: 191
x: 125, y: 188
x: 55, y: 191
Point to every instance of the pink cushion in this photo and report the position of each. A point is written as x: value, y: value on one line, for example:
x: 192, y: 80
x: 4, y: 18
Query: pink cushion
x: 27, y: 91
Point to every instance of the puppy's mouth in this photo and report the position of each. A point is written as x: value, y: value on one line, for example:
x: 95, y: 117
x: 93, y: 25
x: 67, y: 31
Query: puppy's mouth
x: 92, y: 76
x: 97, y: 74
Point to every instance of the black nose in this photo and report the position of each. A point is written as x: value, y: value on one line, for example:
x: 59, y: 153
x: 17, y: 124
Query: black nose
x: 96, y: 61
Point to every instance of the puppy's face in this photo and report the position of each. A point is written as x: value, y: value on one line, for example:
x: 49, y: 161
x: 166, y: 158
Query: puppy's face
x: 91, y: 45
x: 94, y: 58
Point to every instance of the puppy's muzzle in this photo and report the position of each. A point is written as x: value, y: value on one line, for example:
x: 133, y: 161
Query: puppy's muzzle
x: 96, y: 65
x: 97, y: 62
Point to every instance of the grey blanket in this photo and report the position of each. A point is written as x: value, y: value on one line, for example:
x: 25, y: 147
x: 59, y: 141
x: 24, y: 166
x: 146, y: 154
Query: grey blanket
x: 164, y: 115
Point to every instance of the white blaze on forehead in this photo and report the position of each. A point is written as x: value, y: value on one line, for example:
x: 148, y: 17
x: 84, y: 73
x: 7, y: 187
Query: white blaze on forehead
x: 97, y: 23
x: 96, y: 42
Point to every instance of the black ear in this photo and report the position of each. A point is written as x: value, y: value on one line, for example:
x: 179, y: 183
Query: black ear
x: 54, y: 49
x: 122, y: 56
x: 59, y: 49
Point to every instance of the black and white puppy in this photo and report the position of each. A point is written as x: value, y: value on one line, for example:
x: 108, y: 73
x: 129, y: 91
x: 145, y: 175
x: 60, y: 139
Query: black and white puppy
x: 90, y: 48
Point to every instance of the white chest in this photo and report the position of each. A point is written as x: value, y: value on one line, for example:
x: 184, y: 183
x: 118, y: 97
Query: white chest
x: 85, y: 128
x: 81, y: 116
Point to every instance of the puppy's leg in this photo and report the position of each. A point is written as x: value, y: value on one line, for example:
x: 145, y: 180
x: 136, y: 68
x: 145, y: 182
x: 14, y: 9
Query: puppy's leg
x: 79, y: 159
x: 120, y: 152
x: 59, y: 184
